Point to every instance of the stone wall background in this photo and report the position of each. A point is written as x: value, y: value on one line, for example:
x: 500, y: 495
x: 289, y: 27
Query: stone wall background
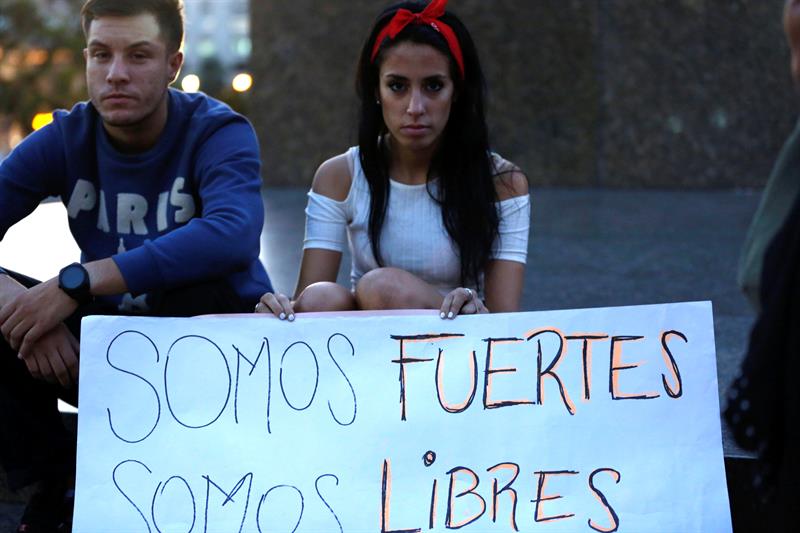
x: 610, y: 93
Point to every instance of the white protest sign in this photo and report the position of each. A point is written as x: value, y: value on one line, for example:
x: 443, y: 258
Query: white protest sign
x: 579, y: 420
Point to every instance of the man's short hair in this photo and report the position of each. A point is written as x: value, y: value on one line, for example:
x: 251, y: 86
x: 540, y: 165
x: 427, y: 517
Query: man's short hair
x: 168, y: 13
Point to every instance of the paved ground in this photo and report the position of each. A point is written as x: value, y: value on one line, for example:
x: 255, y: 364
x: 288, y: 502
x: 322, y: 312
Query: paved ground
x: 591, y: 248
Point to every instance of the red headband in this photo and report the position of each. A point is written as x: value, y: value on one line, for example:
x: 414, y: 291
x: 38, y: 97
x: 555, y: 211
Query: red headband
x: 428, y: 16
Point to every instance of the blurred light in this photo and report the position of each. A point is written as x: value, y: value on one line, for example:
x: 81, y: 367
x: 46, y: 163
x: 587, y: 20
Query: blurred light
x: 244, y: 46
x: 206, y: 48
x: 15, y: 134
x: 190, y: 83
x: 62, y: 56
x: 675, y: 124
x: 36, y: 57
x: 41, y: 119
x: 242, y: 82
x: 720, y: 119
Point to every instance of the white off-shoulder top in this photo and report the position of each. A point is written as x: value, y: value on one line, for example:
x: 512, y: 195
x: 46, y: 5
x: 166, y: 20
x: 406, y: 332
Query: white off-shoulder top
x: 413, y: 237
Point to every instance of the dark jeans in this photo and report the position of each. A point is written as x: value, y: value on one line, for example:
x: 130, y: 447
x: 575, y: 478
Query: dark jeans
x: 34, y: 444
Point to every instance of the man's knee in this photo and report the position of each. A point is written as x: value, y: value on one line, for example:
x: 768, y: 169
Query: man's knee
x: 22, y: 279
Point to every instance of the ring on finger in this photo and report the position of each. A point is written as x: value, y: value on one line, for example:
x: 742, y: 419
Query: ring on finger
x: 257, y: 306
x: 469, y: 292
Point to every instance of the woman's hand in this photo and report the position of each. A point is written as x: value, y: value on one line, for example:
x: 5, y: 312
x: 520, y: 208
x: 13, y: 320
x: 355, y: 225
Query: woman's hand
x: 276, y: 303
x: 461, y: 300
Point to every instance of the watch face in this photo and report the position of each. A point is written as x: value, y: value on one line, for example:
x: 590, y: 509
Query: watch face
x: 72, y: 277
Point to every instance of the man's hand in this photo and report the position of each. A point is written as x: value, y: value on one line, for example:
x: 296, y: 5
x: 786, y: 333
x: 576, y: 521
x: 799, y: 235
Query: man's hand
x: 54, y: 357
x: 31, y: 314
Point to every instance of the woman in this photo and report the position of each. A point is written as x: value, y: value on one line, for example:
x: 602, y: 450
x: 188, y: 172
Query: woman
x: 434, y: 219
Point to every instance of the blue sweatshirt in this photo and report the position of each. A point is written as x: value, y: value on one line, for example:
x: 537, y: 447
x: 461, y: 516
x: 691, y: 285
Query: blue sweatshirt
x: 186, y: 211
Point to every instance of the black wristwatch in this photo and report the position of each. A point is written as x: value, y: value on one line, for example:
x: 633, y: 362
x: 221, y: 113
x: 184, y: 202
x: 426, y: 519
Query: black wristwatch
x: 74, y: 280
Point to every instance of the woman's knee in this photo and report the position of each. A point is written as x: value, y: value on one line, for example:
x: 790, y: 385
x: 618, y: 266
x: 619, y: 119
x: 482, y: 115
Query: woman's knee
x: 393, y: 288
x: 324, y: 296
x: 376, y: 288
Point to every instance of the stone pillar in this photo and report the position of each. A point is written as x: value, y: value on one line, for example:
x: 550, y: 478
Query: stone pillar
x: 697, y: 93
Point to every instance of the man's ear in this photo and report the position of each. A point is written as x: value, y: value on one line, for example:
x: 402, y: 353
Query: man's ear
x: 175, y: 63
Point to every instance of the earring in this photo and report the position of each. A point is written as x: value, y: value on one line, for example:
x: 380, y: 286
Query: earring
x: 377, y: 101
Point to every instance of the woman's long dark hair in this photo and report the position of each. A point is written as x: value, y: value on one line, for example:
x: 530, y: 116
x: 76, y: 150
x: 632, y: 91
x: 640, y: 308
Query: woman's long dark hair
x: 462, y: 162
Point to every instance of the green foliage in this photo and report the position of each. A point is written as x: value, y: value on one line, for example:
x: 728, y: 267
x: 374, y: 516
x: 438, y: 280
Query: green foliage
x: 41, y: 63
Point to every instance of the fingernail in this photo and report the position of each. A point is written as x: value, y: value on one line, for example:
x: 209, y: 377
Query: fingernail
x: 291, y: 318
x: 441, y: 315
x: 282, y: 316
x: 450, y: 314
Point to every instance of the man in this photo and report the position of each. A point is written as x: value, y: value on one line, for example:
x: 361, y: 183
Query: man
x: 162, y: 191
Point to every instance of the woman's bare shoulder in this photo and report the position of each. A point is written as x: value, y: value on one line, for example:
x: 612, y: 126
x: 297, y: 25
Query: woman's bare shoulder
x: 509, y: 180
x: 333, y: 178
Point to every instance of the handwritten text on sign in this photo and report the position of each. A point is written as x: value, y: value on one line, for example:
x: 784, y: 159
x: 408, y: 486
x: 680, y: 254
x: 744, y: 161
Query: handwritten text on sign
x: 587, y: 420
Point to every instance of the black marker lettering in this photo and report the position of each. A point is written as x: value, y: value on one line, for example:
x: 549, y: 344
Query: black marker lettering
x: 166, y: 382
x: 676, y: 392
x: 316, y: 487
x: 612, y: 515
x: 616, y: 366
x: 114, y: 479
x: 229, y: 496
x: 350, y: 385
x: 239, y: 357
x: 439, y: 383
x: 586, y: 355
x: 488, y: 375
x: 155, y: 393
x: 452, y: 497
x: 403, y: 360
x: 316, y: 376
x: 540, y: 497
x: 551, y: 369
x: 156, y: 493
x: 507, y: 487
x: 264, y: 498
x: 386, y: 501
